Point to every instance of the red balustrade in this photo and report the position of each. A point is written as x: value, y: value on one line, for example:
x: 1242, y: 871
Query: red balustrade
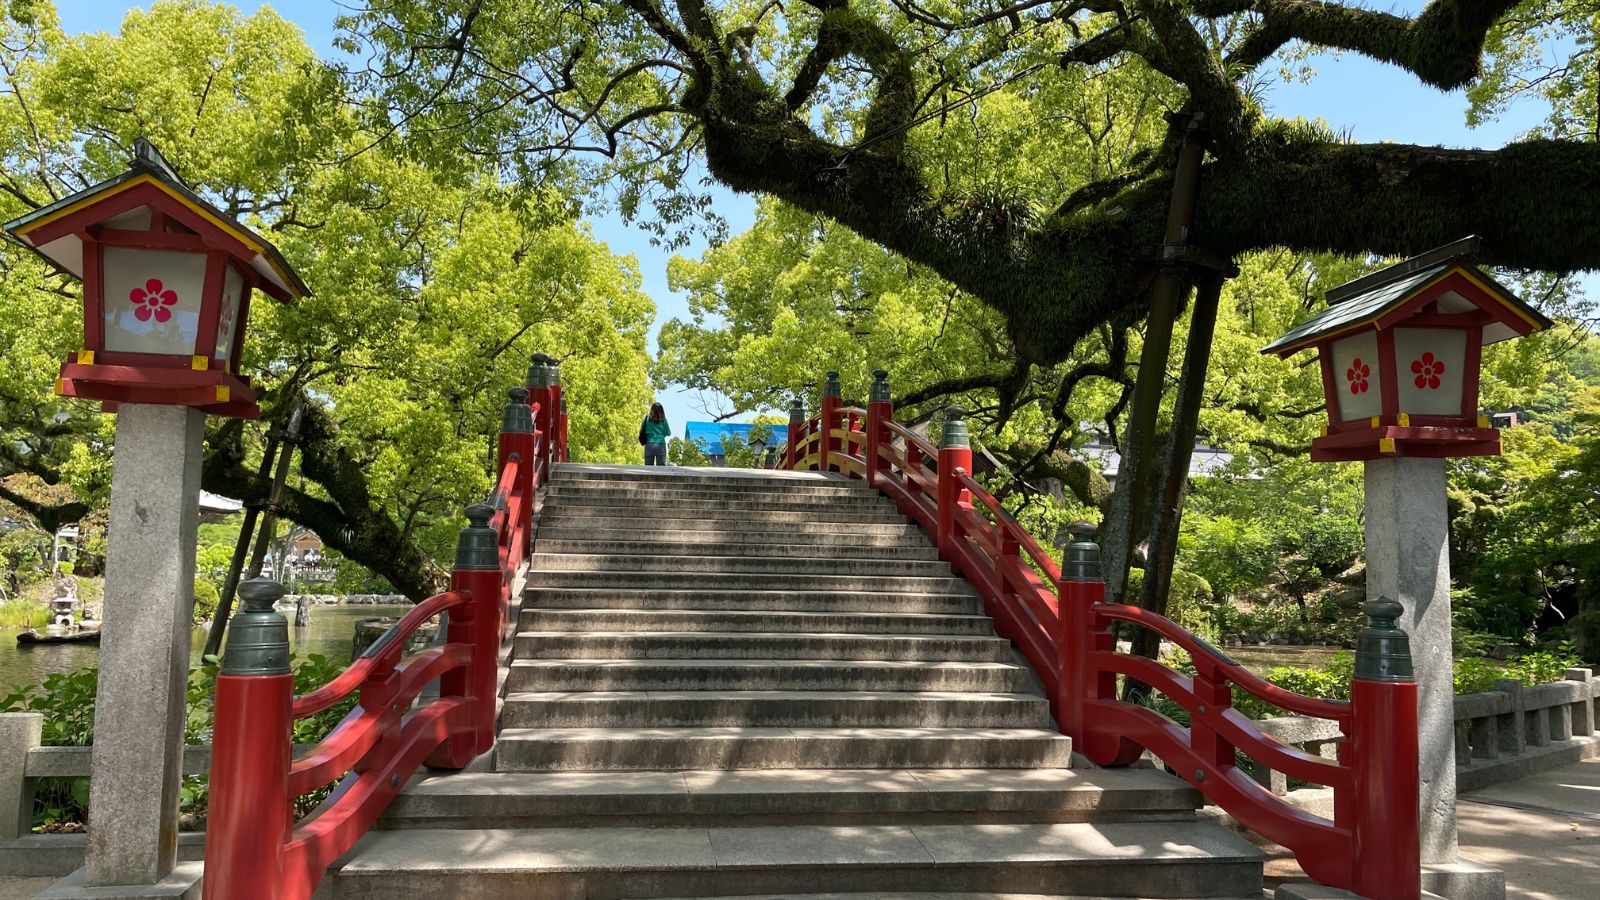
x: 1062, y: 625
x: 254, y: 850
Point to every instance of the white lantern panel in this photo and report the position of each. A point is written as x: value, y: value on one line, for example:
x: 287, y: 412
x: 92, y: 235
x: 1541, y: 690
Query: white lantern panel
x: 152, y: 300
x: 228, y: 318
x: 1430, y: 365
x: 1356, y: 379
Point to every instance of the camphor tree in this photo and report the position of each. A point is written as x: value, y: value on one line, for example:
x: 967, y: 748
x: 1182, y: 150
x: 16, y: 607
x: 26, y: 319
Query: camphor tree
x: 431, y: 287
x: 835, y: 106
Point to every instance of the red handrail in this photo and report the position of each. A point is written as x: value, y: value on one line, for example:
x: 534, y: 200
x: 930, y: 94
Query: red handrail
x: 1061, y: 625
x: 253, y: 850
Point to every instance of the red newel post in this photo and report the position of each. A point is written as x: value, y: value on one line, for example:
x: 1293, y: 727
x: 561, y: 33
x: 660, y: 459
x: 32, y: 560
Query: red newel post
x: 558, y: 437
x: 1386, y: 842
x: 880, y: 412
x: 561, y: 429
x: 828, y: 417
x: 516, y: 439
x: 477, y: 574
x: 248, y: 823
x: 797, y: 425
x: 542, y: 399
x: 1081, y: 587
x: 955, y: 453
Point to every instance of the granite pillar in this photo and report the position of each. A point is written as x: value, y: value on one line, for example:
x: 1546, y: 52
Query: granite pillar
x: 144, y: 648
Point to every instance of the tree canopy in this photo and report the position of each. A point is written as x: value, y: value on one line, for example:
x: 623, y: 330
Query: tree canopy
x: 430, y: 290
x: 846, y: 108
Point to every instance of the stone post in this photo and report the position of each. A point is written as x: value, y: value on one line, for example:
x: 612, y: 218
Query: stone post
x: 144, y: 646
x: 19, y: 733
x: 1407, y: 549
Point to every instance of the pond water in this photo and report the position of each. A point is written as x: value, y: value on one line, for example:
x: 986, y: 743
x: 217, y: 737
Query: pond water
x: 1261, y: 659
x: 328, y: 634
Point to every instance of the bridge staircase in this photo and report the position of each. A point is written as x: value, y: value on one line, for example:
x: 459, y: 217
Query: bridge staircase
x: 747, y: 683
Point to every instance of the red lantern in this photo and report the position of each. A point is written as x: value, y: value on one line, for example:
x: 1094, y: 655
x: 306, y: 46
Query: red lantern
x: 1400, y: 352
x: 167, y: 283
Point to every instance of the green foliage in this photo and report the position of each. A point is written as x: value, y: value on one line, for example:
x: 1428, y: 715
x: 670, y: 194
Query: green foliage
x: 67, y: 705
x: 1474, y: 675
x: 1541, y: 666
x: 431, y: 284
x: 684, y: 452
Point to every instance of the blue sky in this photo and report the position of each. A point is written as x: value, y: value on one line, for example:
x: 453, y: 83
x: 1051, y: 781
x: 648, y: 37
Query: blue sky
x: 1369, y: 100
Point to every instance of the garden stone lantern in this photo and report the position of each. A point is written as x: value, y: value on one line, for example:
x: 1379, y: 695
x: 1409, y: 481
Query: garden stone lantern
x: 167, y: 285
x: 1400, y: 356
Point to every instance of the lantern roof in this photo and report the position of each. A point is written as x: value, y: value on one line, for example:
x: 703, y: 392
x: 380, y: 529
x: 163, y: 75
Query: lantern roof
x: 129, y: 199
x: 1445, y: 277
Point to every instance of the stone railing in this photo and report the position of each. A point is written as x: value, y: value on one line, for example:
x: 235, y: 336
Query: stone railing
x: 1501, y: 735
x: 23, y: 761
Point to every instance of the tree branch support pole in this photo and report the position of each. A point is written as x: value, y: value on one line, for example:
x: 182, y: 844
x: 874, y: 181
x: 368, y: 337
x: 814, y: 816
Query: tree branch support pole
x: 1166, y: 296
x: 269, y: 519
x: 137, y: 769
x: 241, y: 547
x: 1163, y: 547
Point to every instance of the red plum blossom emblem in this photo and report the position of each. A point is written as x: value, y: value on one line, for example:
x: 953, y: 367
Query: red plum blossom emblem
x: 225, y: 324
x: 1357, y: 376
x: 1427, y: 369
x: 153, y: 300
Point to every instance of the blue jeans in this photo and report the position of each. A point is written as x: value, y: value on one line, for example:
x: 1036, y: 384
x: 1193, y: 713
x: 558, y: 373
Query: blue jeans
x: 655, y: 454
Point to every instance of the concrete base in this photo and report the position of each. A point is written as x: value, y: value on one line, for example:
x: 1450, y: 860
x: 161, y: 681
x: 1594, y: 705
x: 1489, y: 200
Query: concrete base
x: 1531, y: 761
x: 1310, y: 890
x: 1464, y: 881
x: 182, y: 883
x: 58, y: 855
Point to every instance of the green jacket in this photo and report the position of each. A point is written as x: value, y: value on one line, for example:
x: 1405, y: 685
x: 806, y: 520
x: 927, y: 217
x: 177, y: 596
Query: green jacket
x: 656, y: 432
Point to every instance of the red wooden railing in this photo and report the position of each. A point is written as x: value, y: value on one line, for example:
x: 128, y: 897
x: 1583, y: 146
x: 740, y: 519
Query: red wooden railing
x: 1061, y: 624
x: 254, y: 851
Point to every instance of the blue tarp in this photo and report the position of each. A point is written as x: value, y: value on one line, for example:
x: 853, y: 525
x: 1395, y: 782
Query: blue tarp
x: 713, y: 433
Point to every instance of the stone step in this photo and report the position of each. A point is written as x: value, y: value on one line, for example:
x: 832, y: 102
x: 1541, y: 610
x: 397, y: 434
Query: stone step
x: 782, y: 796
x: 773, y: 709
x: 713, y: 498
x: 613, y: 749
x: 842, y: 546
x: 720, y: 529
x: 866, y: 515
x: 750, y: 581
x: 674, y: 475
x: 752, y: 645
x: 544, y: 618
x: 731, y: 565
x: 1136, y: 859
x: 759, y: 530
x: 763, y: 675
x: 824, y: 601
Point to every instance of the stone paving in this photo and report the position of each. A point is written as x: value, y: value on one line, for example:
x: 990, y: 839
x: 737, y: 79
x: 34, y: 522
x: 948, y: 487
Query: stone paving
x: 1543, y: 831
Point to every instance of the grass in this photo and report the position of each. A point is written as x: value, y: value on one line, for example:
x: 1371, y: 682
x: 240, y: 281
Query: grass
x: 24, y: 612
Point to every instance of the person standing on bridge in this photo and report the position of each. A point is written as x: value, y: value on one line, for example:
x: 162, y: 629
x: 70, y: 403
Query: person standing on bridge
x: 653, y: 432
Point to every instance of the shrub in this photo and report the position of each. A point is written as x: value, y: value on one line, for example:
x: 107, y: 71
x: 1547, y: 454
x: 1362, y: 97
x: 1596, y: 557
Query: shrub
x: 1474, y: 675
x: 67, y: 703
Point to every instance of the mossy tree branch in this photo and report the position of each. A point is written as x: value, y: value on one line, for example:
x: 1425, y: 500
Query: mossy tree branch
x: 1443, y: 46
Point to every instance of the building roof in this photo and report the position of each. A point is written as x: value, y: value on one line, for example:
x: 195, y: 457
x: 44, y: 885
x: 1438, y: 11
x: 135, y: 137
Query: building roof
x: 713, y: 433
x: 1445, y: 276
x: 149, y: 167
